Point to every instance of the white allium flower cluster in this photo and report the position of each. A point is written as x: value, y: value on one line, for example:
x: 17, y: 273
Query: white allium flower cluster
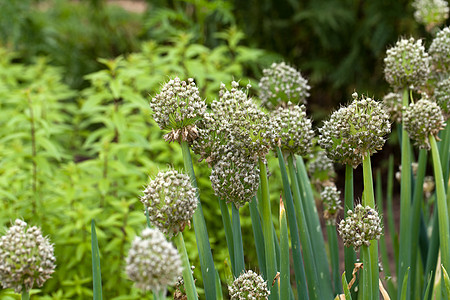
x: 360, y: 227
x: 281, y: 84
x: 249, y: 286
x: 331, y: 199
x: 177, y: 108
x: 26, y: 257
x: 153, y: 263
x: 320, y: 166
x: 171, y: 201
x: 393, y: 104
x: 407, y: 65
x: 430, y: 13
x: 235, y: 177
x: 442, y: 95
x: 355, y: 131
x: 440, y: 51
x: 292, y: 129
x: 422, y: 119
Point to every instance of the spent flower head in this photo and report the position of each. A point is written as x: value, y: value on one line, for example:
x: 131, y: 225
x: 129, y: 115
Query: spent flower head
x: 171, y: 201
x: 153, y: 263
x: 422, y: 119
x: 249, y: 286
x: 440, y: 52
x: 281, y: 84
x: 431, y: 13
x: 235, y: 177
x: 393, y: 104
x: 355, y: 131
x: 407, y: 65
x: 442, y: 95
x: 177, y: 108
x: 26, y: 257
x: 360, y: 227
x: 331, y: 200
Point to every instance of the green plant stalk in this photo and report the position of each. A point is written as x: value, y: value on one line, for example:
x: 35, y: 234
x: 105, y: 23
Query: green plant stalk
x: 285, y: 283
x: 299, y: 268
x: 160, y: 294
x: 348, y: 295
x: 427, y: 292
x: 442, y: 209
x: 404, y: 258
x: 258, y: 236
x: 446, y: 281
x: 369, y: 200
x: 219, y: 295
x: 201, y: 234
x: 312, y: 273
x: 228, y: 232
x: 269, y: 243
x: 366, y: 291
x: 416, y: 209
x: 349, y: 252
x: 390, y: 207
x: 237, y: 242
x: 433, y: 252
x: 312, y: 219
x: 334, y: 255
x: 444, y: 151
x: 404, y: 291
x: 96, y: 271
x: 25, y: 295
x: 189, y: 284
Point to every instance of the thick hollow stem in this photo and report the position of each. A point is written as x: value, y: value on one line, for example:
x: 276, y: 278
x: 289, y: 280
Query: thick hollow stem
x: 189, y: 284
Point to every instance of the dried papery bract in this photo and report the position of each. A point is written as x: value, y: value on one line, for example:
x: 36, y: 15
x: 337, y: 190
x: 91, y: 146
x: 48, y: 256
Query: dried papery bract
x: 177, y: 109
x: 355, y: 131
x: 26, y: 258
x: 171, y: 201
x: 153, y: 263
x: 331, y: 203
x: 407, y: 65
x: 422, y: 119
x: 249, y: 285
x: 440, y: 52
x: 431, y: 13
x: 282, y: 84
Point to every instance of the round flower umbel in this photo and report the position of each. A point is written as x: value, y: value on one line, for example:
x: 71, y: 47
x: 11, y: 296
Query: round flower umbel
x: 407, y: 65
x: 177, y: 108
x: 442, y: 96
x: 321, y: 167
x: 292, y: 130
x: 235, y: 177
x: 281, y: 84
x: 393, y: 105
x: 430, y: 13
x: 249, y: 285
x: 26, y: 257
x: 171, y: 201
x: 360, y: 227
x: 422, y: 119
x: 355, y: 131
x: 331, y: 203
x: 153, y: 263
x: 440, y: 51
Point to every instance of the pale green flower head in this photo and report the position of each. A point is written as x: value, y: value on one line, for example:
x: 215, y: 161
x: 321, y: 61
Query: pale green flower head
x: 440, y: 52
x: 26, y: 258
x: 249, y: 286
x: 442, y: 95
x: 430, y: 13
x: 331, y: 200
x: 393, y: 104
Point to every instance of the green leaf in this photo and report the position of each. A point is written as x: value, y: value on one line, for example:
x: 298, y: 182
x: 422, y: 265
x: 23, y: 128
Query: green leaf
x: 96, y: 271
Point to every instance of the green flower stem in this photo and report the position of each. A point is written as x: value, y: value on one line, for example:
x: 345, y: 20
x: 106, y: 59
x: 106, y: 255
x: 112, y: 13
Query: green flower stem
x: 201, y: 234
x: 348, y: 295
x: 285, y: 283
x: 442, y: 209
x: 444, y: 151
x: 349, y: 252
x: 228, y: 232
x: 433, y: 252
x: 189, y: 284
x: 160, y: 294
x: 366, y: 291
x: 299, y: 268
x: 258, y: 236
x: 312, y: 219
x: 334, y: 254
x: 269, y: 243
x: 369, y: 200
x: 404, y: 290
x: 404, y: 258
x: 237, y: 242
x: 25, y: 295
x: 390, y: 207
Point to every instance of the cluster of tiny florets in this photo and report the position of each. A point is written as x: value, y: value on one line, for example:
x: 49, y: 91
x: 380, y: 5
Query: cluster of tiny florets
x: 177, y: 108
x: 320, y: 166
x: 153, y: 263
x: 430, y: 13
x: 292, y: 129
x: 355, y: 131
x: 360, y: 227
x: 422, y: 119
x: 442, y: 95
x: 281, y: 84
x: 249, y: 286
x: 171, y: 201
x: 331, y: 199
x: 235, y: 177
x: 393, y: 104
x: 440, y: 51
x: 26, y: 257
x: 407, y: 64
